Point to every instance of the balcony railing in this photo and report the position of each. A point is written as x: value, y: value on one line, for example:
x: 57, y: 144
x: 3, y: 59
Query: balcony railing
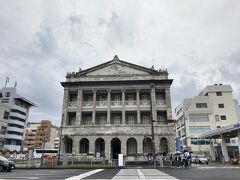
x: 145, y: 103
x: 160, y: 102
x: 131, y: 103
x: 116, y: 103
x: 101, y: 103
x: 72, y: 104
x: 87, y: 104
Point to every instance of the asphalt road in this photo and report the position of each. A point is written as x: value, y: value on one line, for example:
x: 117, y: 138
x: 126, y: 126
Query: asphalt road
x: 197, y: 173
x: 41, y: 174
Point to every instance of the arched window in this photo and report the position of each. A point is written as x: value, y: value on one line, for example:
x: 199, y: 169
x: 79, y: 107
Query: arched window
x: 147, y: 145
x: 164, y: 145
x: 100, y: 147
x: 84, y: 146
x: 131, y: 146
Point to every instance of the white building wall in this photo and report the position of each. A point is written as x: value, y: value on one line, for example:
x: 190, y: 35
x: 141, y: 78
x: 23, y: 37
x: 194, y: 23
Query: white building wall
x: 208, y: 96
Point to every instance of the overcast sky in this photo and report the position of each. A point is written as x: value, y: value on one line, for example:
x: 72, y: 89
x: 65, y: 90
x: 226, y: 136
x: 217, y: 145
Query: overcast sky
x: 40, y: 41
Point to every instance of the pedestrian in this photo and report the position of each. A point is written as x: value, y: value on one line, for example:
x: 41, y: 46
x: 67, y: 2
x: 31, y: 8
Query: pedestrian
x: 161, y: 160
x: 178, y: 160
x: 149, y: 159
x: 171, y: 160
x: 186, y: 158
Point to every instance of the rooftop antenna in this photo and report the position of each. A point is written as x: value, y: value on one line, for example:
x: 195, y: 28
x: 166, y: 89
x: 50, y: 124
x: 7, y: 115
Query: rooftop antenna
x: 7, y: 80
x: 15, y: 85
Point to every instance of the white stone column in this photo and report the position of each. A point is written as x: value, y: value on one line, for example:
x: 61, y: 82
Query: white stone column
x: 94, y: 107
x: 109, y: 107
x: 168, y: 103
x: 79, y: 108
x: 224, y: 149
x: 139, y: 144
x: 153, y: 100
x: 212, y: 151
x: 138, y: 107
x: 123, y: 107
x: 65, y: 106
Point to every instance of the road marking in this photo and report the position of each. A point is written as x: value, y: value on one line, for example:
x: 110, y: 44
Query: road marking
x: 142, y: 174
x: 81, y: 176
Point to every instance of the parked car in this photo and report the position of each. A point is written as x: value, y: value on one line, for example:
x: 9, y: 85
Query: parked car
x: 201, y: 159
x: 5, y: 164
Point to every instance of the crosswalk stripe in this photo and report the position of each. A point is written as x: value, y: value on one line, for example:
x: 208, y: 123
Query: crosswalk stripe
x: 142, y: 174
x: 81, y: 176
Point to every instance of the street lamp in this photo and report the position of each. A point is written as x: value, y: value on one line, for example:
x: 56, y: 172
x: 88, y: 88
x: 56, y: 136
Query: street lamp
x: 152, y: 127
x: 44, y: 140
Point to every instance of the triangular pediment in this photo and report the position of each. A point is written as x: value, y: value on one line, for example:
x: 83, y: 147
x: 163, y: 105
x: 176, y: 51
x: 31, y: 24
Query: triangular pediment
x: 117, y: 67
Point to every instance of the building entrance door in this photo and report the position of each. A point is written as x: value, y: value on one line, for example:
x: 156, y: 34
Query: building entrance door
x: 115, y: 148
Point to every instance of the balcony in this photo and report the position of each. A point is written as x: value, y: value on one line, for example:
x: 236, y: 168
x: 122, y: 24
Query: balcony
x: 145, y: 103
x: 101, y: 104
x: 14, y: 121
x: 13, y: 136
x: 15, y: 129
x: 12, y: 147
x: 130, y: 103
x: 161, y: 103
x: 17, y: 115
x: 19, y: 108
x: 72, y: 104
x: 116, y: 103
x: 87, y: 104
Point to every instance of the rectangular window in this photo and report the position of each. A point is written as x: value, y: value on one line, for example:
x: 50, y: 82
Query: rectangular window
x: 199, y: 118
x: 103, y: 120
x: 3, y: 130
x: 220, y: 105
x: 117, y: 120
x: 5, y: 115
x: 199, y: 129
x: 219, y: 93
x: 217, y: 118
x: 71, y: 118
x: 146, y: 120
x: 201, y: 105
x: 88, y: 120
x: 117, y: 98
x: 223, y: 117
x: 131, y: 120
x: 72, y: 96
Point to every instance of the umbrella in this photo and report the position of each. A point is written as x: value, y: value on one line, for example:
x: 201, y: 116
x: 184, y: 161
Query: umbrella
x: 178, y: 152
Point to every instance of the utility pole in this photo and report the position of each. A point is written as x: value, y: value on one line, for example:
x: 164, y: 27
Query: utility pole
x: 44, y: 140
x: 60, y: 141
x: 152, y: 125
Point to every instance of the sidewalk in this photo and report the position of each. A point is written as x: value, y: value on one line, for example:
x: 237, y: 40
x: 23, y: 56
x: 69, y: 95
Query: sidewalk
x: 216, y: 165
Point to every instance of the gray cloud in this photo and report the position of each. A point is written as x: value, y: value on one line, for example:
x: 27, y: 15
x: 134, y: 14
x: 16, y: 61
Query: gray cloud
x: 41, y: 41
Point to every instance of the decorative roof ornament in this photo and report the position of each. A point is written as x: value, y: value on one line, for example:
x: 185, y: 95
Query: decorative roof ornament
x: 115, y: 58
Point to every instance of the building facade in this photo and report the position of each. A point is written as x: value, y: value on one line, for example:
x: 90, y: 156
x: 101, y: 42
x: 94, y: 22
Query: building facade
x: 213, y: 108
x: 108, y: 110
x: 36, y: 132
x: 14, y: 110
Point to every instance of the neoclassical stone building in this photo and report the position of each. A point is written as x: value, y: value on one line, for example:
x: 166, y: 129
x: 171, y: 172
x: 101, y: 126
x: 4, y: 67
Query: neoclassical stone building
x: 107, y: 111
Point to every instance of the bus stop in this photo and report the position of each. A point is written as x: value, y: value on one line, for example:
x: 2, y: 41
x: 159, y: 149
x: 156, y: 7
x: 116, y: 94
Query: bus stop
x: 223, y: 136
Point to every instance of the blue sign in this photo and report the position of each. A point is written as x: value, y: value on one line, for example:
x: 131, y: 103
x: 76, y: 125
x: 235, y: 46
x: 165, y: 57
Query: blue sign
x: 179, y: 145
x: 236, y: 125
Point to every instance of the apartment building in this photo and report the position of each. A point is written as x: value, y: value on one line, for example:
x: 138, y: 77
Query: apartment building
x: 36, y: 133
x: 213, y: 108
x: 108, y: 110
x: 14, y: 111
